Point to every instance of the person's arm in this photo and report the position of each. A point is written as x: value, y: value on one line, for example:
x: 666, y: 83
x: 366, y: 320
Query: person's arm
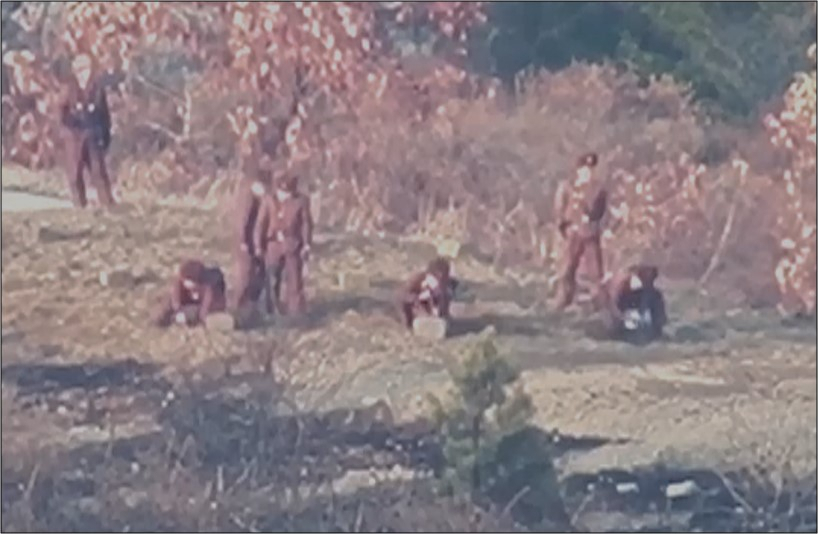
x: 104, y: 116
x: 262, y: 224
x: 599, y: 206
x: 412, y: 288
x: 307, y: 224
x: 68, y: 117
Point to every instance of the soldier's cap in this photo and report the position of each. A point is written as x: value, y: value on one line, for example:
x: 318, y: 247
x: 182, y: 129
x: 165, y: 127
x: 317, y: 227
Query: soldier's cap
x: 439, y: 265
x: 589, y: 159
x: 288, y: 181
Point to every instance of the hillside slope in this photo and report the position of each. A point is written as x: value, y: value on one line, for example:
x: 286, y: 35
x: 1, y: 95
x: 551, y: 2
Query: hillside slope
x: 726, y: 388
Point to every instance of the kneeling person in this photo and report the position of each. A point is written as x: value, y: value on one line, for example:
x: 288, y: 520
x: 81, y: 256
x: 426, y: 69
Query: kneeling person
x: 634, y: 307
x: 429, y: 292
x: 195, y: 292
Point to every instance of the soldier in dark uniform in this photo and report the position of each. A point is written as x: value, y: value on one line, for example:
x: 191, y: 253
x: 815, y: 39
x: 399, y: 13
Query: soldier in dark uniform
x: 283, y: 234
x: 87, y: 120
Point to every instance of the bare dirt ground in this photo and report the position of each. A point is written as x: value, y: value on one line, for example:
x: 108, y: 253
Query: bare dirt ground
x: 729, y: 387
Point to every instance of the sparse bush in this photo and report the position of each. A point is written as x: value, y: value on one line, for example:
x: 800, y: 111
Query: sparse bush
x: 491, y: 452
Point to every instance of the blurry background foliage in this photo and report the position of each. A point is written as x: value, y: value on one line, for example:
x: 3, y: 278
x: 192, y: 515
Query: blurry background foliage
x: 736, y: 55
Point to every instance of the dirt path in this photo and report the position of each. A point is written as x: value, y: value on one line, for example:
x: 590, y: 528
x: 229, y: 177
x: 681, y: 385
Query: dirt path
x: 727, y: 386
x: 14, y: 201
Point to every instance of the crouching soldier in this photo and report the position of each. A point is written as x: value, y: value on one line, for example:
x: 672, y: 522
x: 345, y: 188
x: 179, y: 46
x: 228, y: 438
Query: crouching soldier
x: 428, y: 292
x: 195, y: 292
x: 633, y: 307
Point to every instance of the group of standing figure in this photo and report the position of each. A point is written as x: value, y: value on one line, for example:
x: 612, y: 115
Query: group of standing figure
x: 274, y: 230
x: 273, y: 239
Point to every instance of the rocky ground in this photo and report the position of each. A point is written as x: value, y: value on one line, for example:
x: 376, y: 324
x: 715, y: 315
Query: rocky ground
x: 729, y: 388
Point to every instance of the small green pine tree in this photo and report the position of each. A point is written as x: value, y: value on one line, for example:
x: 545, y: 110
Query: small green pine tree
x: 491, y: 450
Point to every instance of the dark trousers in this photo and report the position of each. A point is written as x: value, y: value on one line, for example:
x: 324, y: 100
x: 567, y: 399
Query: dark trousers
x: 85, y: 155
x: 285, y: 266
x: 250, y: 279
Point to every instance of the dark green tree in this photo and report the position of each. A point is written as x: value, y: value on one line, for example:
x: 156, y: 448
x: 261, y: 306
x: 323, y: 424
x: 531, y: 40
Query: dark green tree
x: 491, y: 450
x: 736, y: 55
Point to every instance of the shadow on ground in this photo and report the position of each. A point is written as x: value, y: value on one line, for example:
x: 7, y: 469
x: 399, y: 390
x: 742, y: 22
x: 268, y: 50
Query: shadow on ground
x: 38, y: 379
x: 231, y: 461
x: 250, y: 455
x: 328, y: 306
x: 505, y: 325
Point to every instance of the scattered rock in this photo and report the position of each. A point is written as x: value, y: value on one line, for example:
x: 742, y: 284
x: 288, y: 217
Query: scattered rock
x: 370, y: 401
x: 627, y: 487
x: 681, y: 489
x: 120, y: 278
x: 432, y: 328
x: 221, y: 322
x: 353, y: 280
x: 89, y: 505
x: 146, y: 275
x: 132, y: 498
x: 47, y: 234
x: 398, y: 472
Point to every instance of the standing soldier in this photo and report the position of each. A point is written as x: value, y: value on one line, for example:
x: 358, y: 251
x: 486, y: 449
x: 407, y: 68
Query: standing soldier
x: 247, y: 260
x: 283, y: 234
x: 580, y: 205
x: 85, y: 115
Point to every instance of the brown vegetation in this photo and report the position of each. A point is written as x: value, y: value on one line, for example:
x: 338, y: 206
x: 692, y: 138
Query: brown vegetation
x: 396, y: 143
